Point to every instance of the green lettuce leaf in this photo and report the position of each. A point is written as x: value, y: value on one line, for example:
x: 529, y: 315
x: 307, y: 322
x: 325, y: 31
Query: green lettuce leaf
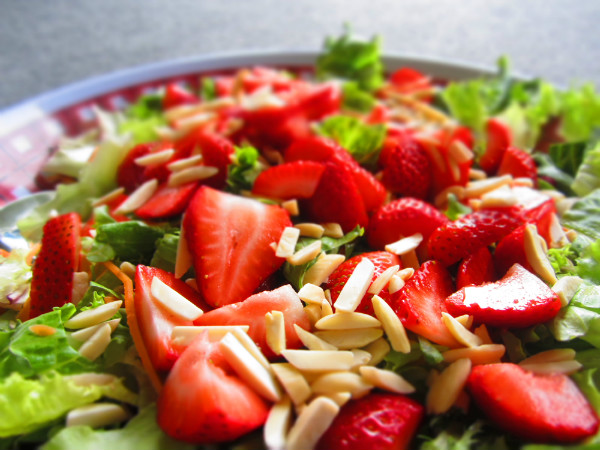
x: 357, y: 99
x: 243, y: 170
x: 580, y: 113
x: 587, y: 178
x: 15, y: 276
x: 132, y: 241
x: 166, y: 251
x: 141, y: 432
x: 584, y: 215
x: 208, y: 89
x: 143, y: 118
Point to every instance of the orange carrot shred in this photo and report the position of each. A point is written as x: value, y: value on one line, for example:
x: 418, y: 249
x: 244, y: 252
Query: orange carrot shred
x: 4, y: 253
x: 35, y: 249
x: 134, y: 326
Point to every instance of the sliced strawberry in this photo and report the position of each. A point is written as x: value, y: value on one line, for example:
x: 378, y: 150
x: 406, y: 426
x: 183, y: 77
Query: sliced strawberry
x: 230, y: 240
x: 406, y: 170
x: 337, y: 280
x: 155, y: 322
x: 420, y: 303
x: 401, y: 218
x: 498, y: 140
x: 408, y: 80
x: 57, y: 261
x: 203, y: 401
x: 542, y: 216
x: 377, y: 421
x: 176, y: 95
x: 519, y: 164
x: 476, y: 269
x: 298, y: 179
x: 167, y: 201
x: 519, y: 299
x: 252, y: 312
x: 536, y: 407
x: 456, y: 240
x: 337, y: 199
x: 130, y: 175
x: 258, y: 77
x: 511, y: 250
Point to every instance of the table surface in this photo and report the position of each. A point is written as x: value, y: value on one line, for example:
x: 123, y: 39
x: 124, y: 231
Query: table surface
x: 47, y: 44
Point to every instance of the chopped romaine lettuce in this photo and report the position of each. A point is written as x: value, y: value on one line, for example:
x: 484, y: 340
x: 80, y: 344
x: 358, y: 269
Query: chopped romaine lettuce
x: 143, y: 118
x: 15, y: 277
x: 243, y: 170
x: 584, y: 215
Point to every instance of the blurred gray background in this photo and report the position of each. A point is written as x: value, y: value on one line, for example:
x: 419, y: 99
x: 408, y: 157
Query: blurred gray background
x: 45, y: 44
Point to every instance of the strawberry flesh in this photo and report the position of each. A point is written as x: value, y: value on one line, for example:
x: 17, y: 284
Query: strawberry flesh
x: 498, y: 140
x: 167, y: 201
x: 536, y: 407
x: 476, y: 269
x: 406, y: 170
x: 298, y: 179
x: 519, y: 299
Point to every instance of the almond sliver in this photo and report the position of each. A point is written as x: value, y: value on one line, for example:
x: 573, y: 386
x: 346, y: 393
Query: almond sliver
x: 312, y: 342
x: 378, y: 350
x: 341, y: 382
x: 312, y: 230
x: 564, y: 367
x: 183, y: 259
x: 138, y: 197
x: 84, y: 334
x: 483, y: 354
x: 382, y: 280
x: 324, y: 360
x: 312, y: 422
x: 184, y: 163
x: 190, y: 174
x: 277, y: 424
x: 405, y: 245
x: 347, y: 321
x: 348, y: 339
x: 293, y: 382
x: 275, y: 331
x: 310, y: 293
x: 393, y: 327
x: 460, y: 333
x: 536, y: 255
x: 185, y: 334
x: 333, y: 230
x: 554, y: 355
x: 320, y: 271
x: 155, y: 158
x: 447, y: 386
x: 356, y: 286
x: 95, y: 345
x: 94, y: 316
x: 173, y: 301
x: 97, y: 415
x: 287, y: 242
x: 305, y: 254
x: 386, y: 379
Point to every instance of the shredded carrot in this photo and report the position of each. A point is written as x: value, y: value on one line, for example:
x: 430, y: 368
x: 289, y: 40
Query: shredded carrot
x: 134, y: 326
x: 25, y: 310
x: 35, y: 249
x: 4, y: 253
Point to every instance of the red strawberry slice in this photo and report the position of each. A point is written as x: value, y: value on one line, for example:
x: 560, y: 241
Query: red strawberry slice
x: 337, y: 199
x: 408, y: 80
x: 406, y: 170
x: 456, y: 240
x: 541, y: 216
x: 498, y: 140
x: 167, y: 201
x: 511, y: 250
x: 176, y: 95
x: 519, y: 164
x: 204, y: 402
x: 57, y: 261
x: 230, y: 240
x: 252, y: 312
x: 476, y: 269
x: 377, y: 422
x: 519, y: 299
x: 298, y: 179
x: 337, y: 280
x: 536, y: 407
x: 401, y: 218
x: 155, y: 322
x: 420, y: 303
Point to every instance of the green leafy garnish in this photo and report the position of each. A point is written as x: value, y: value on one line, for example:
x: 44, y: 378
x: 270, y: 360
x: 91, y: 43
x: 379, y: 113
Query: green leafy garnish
x: 243, y: 170
x: 208, y: 89
x: 142, y: 118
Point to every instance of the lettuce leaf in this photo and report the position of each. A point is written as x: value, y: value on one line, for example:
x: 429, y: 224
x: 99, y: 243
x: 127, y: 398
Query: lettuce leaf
x: 15, y: 277
x: 141, y: 432
x: 584, y: 215
x: 587, y: 178
x: 132, y: 241
x: 357, y: 99
x: 580, y: 113
x: 243, y: 170
x: 166, y: 251
x: 143, y: 118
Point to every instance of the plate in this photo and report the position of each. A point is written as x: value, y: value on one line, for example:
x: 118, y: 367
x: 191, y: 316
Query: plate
x: 30, y: 130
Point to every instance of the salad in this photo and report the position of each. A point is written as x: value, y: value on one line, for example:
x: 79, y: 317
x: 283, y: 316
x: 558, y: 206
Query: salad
x: 342, y: 258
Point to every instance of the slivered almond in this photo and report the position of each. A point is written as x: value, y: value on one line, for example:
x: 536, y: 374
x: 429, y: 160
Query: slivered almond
x: 275, y: 331
x: 251, y: 346
x: 97, y: 415
x: 356, y: 286
x: 42, y: 330
x: 447, y: 386
x: 536, y: 256
x: 333, y: 230
x: 566, y: 287
x: 482, y: 332
x: 128, y: 268
x: 326, y: 309
x: 459, y: 152
x: 190, y: 122
x: 312, y: 342
x: 138, y: 197
x: 184, y: 335
x: 499, y: 198
x: 91, y: 378
x: 382, y: 280
x: 410, y: 259
x: 112, y: 195
x: 392, y: 326
x: 347, y: 321
x: 361, y: 357
x: 324, y: 360
x: 465, y: 320
x: 405, y: 245
x: 460, y: 333
x: 150, y: 159
x: 305, y: 254
x: 190, y: 174
x: 476, y: 189
x: 311, y: 293
x: 93, y: 316
x: 249, y: 369
x: 522, y: 181
x: 95, y: 345
x: 441, y: 199
x: 347, y: 339
x: 454, y: 169
x: 341, y: 398
x: 287, y: 242
x: 565, y: 367
x: 293, y: 382
x: 386, y: 379
x: 341, y: 382
x: 431, y: 147
x: 558, y: 237
x: 184, y: 163
x: 173, y: 301
x: 378, y: 350
x: 571, y: 235
x: 312, y: 230
x: 277, y: 424
x: 183, y: 259
x: 396, y: 283
x: 482, y: 354
x: 555, y: 355
x: 291, y: 206
x: 312, y: 422
x: 477, y: 174
x: 320, y: 271
x: 313, y: 312
x: 84, y: 334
